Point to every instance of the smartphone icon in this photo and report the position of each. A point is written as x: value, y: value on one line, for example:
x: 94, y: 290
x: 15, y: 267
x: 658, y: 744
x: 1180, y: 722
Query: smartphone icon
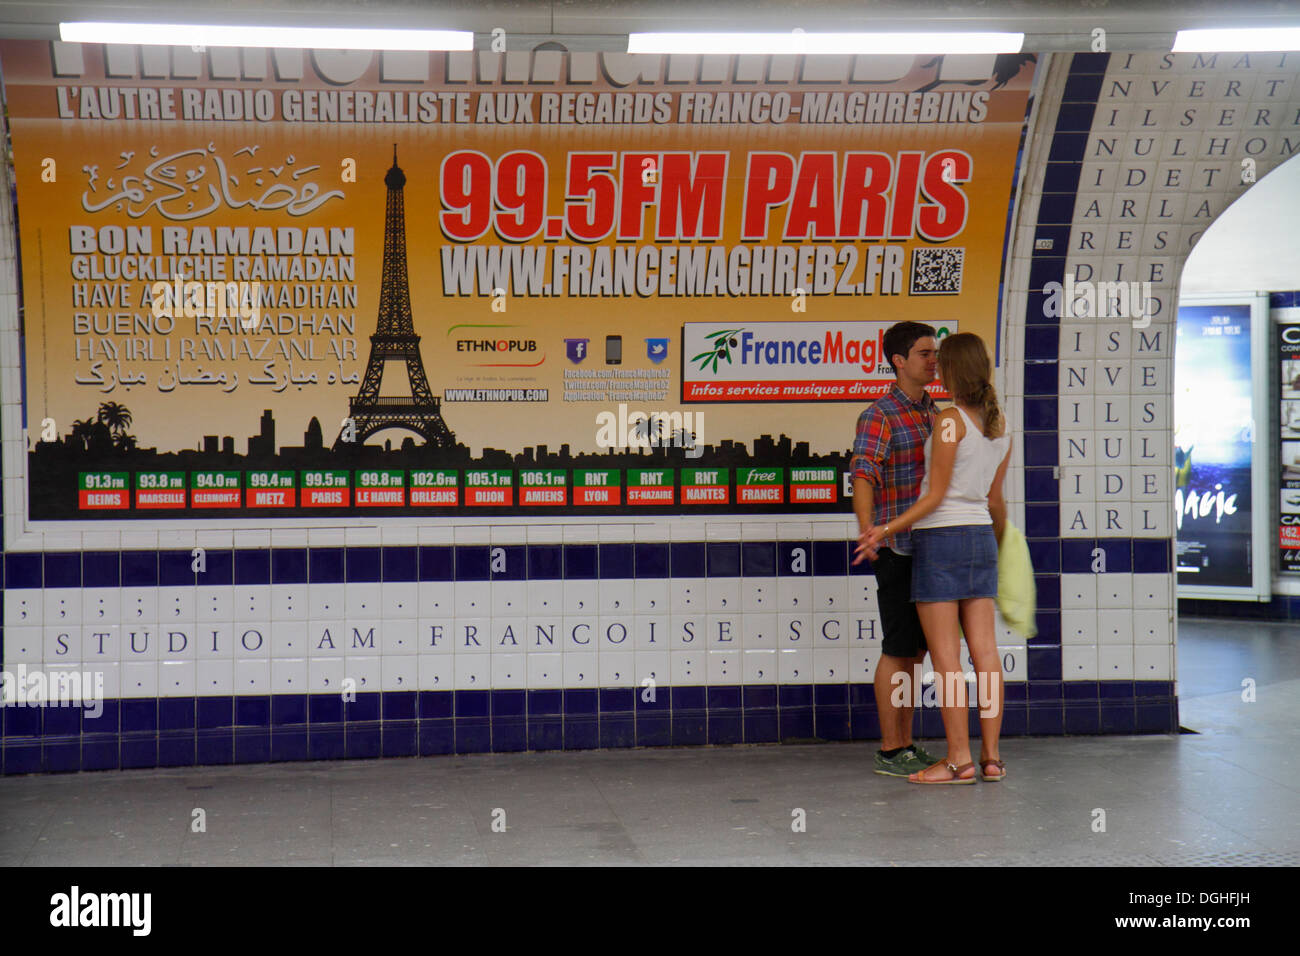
x: 613, y: 350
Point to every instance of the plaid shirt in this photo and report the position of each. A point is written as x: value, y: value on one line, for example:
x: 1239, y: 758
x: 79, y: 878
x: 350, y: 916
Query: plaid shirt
x: 889, y: 452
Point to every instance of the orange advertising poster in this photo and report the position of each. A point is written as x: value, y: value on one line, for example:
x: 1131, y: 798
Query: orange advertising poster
x: 295, y: 284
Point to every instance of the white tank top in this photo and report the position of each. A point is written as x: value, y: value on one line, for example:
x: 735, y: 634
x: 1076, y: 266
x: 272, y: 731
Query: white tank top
x: 966, y: 501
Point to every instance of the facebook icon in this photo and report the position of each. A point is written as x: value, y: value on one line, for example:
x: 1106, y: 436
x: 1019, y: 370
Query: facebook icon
x: 576, y: 349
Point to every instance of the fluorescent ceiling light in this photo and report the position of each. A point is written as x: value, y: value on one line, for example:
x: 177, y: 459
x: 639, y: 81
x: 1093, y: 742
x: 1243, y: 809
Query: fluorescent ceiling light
x: 1251, y: 40
x: 310, y: 38
x: 800, y: 42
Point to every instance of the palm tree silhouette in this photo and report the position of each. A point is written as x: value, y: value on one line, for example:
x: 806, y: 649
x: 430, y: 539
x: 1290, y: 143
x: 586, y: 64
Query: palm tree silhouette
x: 81, y: 431
x: 648, y: 428
x: 651, y: 429
x: 640, y: 430
x: 659, y: 428
x: 117, y: 417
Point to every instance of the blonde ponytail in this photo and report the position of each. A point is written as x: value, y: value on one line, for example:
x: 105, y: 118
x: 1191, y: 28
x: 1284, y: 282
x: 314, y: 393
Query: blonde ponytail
x: 994, y: 424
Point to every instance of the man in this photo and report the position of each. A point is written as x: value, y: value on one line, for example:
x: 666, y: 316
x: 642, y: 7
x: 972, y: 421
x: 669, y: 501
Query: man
x: 887, y: 466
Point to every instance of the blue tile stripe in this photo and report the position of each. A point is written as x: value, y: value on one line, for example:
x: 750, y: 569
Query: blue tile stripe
x: 536, y: 562
x: 1041, y: 350
x: 203, y: 730
x: 219, y: 730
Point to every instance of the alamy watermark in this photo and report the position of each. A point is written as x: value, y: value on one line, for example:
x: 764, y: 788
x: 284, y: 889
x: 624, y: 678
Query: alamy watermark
x: 194, y: 299
x: 1084, y: 299
x: 638, y: 429
x: 76, y: 908
x: 37, y: 688
x: 939, y: 690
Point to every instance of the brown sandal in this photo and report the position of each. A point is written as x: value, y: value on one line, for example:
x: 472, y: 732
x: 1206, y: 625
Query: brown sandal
x: 992, y: 777
x: 955, y: 780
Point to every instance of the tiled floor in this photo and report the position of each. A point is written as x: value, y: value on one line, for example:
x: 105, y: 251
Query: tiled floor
x: 1219, y: 796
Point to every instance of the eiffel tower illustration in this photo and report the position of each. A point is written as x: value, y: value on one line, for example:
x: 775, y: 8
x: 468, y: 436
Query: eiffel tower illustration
x: 395, y: 340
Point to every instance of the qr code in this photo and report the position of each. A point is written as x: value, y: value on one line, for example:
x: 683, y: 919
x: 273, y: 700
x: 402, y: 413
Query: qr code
x: 937, y: 271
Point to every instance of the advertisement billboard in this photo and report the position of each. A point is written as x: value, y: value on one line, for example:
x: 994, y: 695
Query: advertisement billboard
x: 1288, y: 351
x: 320, y: 285
x: 1221, y: 511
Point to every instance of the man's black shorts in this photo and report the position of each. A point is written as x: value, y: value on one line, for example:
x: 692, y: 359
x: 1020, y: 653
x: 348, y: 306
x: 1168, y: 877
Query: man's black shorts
x: 898, y: 619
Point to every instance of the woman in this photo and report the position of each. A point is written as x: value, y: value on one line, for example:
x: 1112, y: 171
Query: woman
x: 957, y: 521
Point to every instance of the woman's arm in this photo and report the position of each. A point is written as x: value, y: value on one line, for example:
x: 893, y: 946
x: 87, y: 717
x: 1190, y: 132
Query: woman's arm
x: 997, y: 505
x: 949, y: 431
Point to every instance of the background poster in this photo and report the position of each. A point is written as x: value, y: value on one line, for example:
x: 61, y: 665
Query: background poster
x: 1213, y: 441
x: 293, y: 284
x: 1288, y: 350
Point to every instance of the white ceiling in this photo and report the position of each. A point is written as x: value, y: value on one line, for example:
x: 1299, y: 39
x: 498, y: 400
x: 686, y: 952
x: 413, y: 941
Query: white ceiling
x: 603, y: 24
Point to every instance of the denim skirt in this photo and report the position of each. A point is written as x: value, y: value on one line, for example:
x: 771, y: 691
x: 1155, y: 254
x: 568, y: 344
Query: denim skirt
x: 950, y: 564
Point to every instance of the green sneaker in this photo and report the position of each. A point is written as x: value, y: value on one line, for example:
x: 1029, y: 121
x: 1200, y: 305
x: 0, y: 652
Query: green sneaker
x: 924, y: 756
x: 900, y: 765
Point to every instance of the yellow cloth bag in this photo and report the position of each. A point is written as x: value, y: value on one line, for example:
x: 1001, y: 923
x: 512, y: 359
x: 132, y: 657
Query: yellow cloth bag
x: 1017, y: 596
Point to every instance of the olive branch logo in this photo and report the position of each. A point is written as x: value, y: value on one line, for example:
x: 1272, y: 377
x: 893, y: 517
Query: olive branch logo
x: 722, y: 343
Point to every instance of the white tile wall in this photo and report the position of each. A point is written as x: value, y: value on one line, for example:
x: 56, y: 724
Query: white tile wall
x: 205, y: 651
x: 1175, y: 166
x: 205, y: 640
x: 1163, y: 160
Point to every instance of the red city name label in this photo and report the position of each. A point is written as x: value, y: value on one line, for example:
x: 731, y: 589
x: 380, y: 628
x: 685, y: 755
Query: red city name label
x: 488, y: 496
x: 103, y: 499
x: 380, y: 496
x: 652, y: 495
x: 173, y: 498
x: 324, y: 497
x: 704, y: 494
x: 595, y: 496
x: 265, y: 498
x: 542, y: 496
x: 433, y: 496
x: 812, y: 493
x: 215, y: 498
